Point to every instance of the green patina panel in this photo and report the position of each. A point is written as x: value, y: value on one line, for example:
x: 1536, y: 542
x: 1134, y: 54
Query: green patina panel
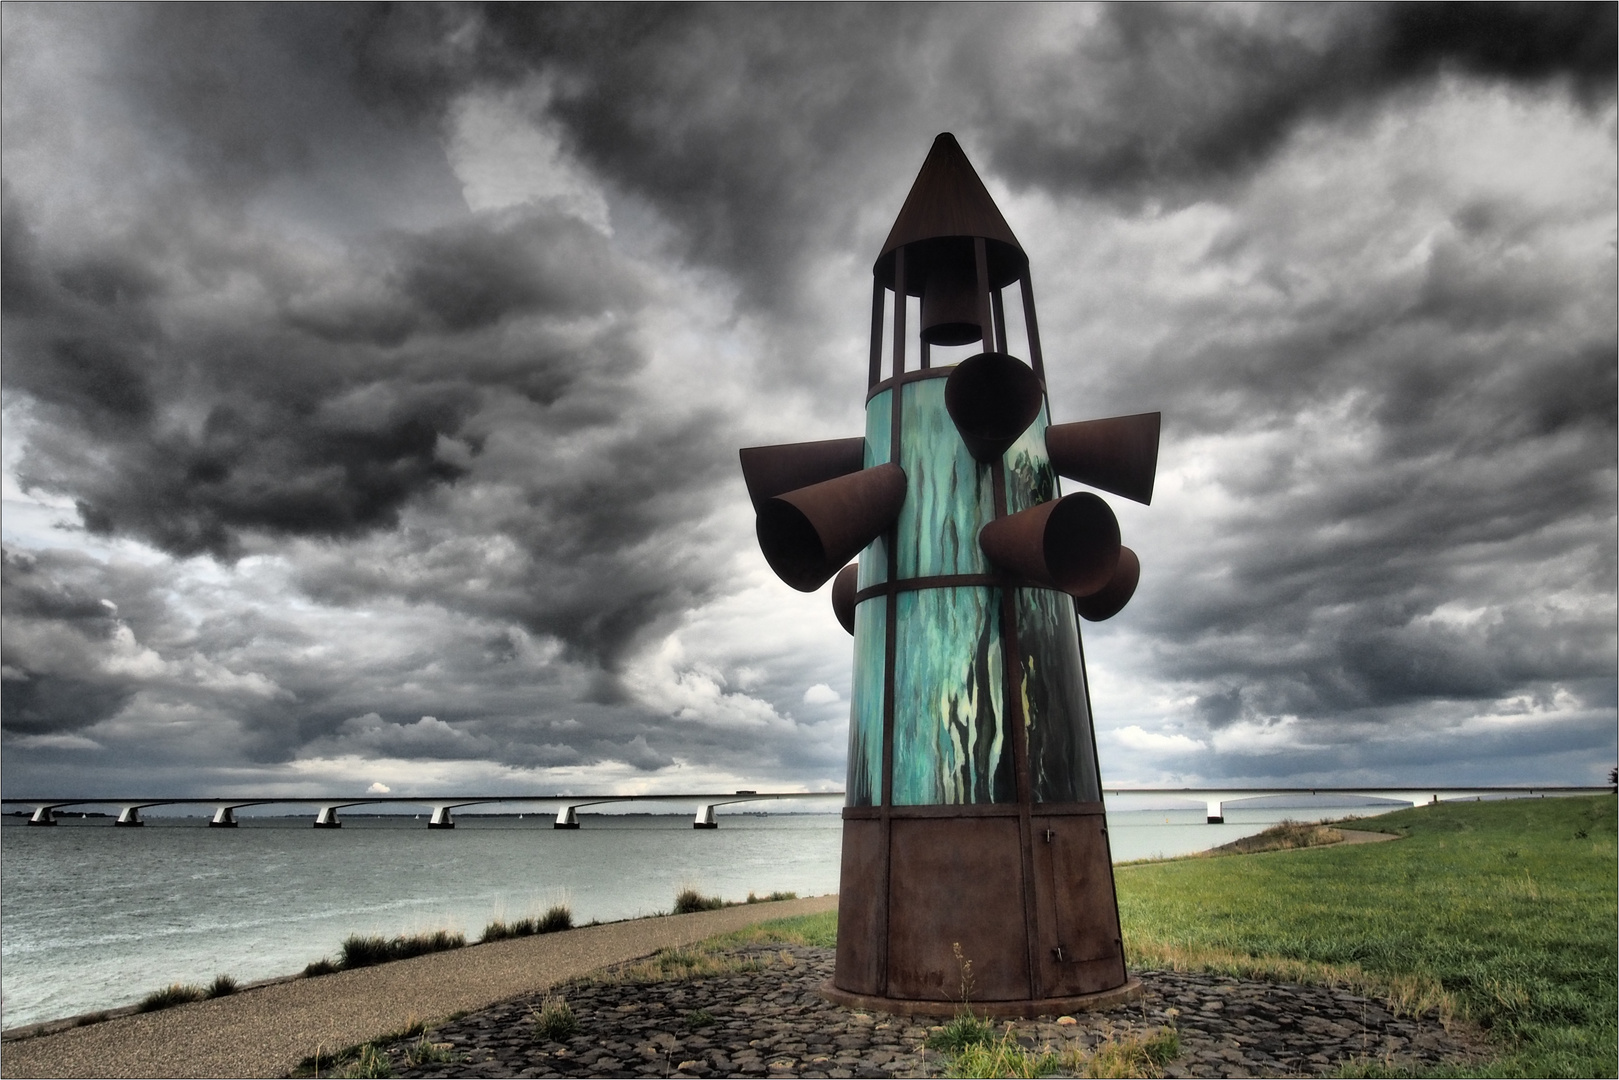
x: 949, y: 496
x: 1062, y: 764
x: 950, y: 744
x: 879, y: 443
x: 1030, y: 479
x: 865, y: 787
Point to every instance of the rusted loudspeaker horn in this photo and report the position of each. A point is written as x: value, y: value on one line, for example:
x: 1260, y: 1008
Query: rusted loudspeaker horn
x: 807, y: 534
x: 993, y: 398
x: 844, y: 586
x: 773, y: 470
x: 1119, y: 454
x: 1111, y: 598
x: 1071, y: 543
x: 950, y: 314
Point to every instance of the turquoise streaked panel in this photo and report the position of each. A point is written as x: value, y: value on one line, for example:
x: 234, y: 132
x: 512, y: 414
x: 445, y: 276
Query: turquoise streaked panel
x: 865, y: 787
x: 1030, y: 479
x: 1062, y: 762
x: 879, y: 442
x: 950, y: 744
x: 948, y: 497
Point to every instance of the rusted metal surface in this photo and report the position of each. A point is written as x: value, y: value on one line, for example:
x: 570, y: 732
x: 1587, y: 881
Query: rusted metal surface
x: 956, y: 881
x: 775, y: 470
x: 1118, y: 454
x: 992, y: 398
x: 862, y: 907
x: 1071, y: 543
x: 807, y: 535
x: 950, y: 303
x: 946, y: 204
x: 1112, y: 597
x: 1061, y: 1006
x: 969, y: 671
x: 1079, y: 948
x: 844, y: 587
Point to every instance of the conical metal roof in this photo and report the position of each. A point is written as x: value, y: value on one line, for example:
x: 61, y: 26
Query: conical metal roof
x: 949, y: 200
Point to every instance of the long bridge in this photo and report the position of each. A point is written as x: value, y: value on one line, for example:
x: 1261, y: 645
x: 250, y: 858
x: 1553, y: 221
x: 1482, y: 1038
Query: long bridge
x: 567, y: 817
x: 567, y: 806
x: 1216, y: 798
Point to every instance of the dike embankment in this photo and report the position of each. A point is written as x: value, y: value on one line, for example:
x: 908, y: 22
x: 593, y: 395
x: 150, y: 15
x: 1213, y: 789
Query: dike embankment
x: 266, y: 1030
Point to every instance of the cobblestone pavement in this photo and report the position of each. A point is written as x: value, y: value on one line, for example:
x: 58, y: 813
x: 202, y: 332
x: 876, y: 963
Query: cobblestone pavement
x: 771, y: 1022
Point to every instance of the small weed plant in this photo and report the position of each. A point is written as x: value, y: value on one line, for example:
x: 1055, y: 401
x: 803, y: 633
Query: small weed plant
x: 699, y: 1018
x: 361, y: 950
x: 1001, y: 1057
x: 556, y: 918
x: 370, y: 1062
x: 752, y: 899
x: 427, y: 1052
x: 688, y: 901
x: 963, y: 1031
x: 170, y: 996
x: 554, y: 1019
x: 222, y: 986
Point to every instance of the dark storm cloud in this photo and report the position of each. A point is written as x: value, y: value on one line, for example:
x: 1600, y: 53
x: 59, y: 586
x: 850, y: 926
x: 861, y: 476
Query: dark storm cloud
x: 279, y: 330
x: 55, y: 635
x: 1166, y: 100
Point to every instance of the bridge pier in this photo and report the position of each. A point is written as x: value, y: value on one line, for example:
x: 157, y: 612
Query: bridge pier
x: 441, y: 818
x: 129, y: 816
x: 705, y: 818
x: 42, y: 816
x: 224, y: 818
x: 567, y: 818
x: 1216, y: 812
x: 327, y: 818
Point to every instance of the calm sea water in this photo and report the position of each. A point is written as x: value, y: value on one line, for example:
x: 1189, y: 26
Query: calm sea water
x: 93, y: 917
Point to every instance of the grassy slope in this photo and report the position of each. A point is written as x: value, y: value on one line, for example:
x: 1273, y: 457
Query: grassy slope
x: 1502, y: 903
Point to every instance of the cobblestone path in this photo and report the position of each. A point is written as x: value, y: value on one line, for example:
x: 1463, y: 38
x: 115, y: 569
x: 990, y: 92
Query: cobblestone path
x: 771, y: 1022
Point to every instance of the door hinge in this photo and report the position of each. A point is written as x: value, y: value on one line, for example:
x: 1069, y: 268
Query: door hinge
x: 1057, y: 952
x: 1049, y: 833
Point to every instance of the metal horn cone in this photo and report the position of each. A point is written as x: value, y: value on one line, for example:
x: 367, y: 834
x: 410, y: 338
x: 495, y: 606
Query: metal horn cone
x: 808, y: 534
x: 844, y: 587
x: 992, y: 398
x: 1071, y: 543
x: 1119, y: 454
x: 1111, y: 598
x: 772, y: 470
x: 950, y: 309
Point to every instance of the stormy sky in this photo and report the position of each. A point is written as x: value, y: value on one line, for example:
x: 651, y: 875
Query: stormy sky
x: 373, y: 379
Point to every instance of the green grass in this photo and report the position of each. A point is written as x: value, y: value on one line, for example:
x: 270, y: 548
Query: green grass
x: 556, y: 918
x: 554, y: 1019
x: 690, y: 900
x: 963, y: 1030
x: 1503, y: 912
x: 361, y: 950
x: 169, y: 997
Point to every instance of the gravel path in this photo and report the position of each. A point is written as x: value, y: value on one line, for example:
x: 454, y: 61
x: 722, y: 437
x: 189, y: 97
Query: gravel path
x: 771, y: 1022
x: 266, y: 1030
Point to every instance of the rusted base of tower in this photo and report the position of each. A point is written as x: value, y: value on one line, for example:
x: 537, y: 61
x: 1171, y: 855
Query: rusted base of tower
x: 1106, y: 999
x: 1023, y: 895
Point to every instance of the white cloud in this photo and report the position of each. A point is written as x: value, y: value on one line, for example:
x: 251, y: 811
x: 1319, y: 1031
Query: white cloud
x: 1137, y: 738
x: 821, y: 694
x: 378, y: 788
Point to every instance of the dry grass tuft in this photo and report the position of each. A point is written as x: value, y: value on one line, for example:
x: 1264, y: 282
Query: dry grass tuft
x: 1406, y: 995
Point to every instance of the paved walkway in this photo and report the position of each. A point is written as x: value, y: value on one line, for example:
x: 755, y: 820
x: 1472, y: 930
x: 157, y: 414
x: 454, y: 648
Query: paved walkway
x: 268, y: 1030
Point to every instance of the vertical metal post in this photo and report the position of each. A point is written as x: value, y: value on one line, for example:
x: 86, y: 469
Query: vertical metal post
x: 986, y: 321
x: 877, y: 295
x: 891, y: 601
x: 1000, y: 320
x: 1032, y: 328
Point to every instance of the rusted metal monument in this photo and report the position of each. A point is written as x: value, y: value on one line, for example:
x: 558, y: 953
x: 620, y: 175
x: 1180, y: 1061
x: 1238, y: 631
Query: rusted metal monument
x: 974, y: 809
